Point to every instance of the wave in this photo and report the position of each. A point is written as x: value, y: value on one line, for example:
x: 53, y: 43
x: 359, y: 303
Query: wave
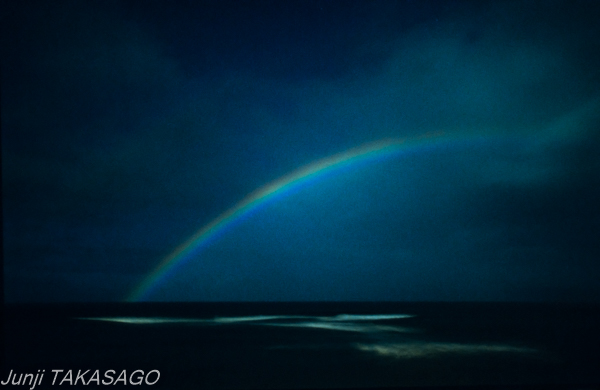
x: 316, y: 321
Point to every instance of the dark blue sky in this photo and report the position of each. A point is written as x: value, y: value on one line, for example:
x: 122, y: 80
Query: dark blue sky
x: 129, y: 125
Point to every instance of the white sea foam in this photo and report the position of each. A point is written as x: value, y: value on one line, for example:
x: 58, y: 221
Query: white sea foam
x: 433, y: 349
x: 365, y: 317
x: 252, y: 318
x: 165, y: 320
x: 343, y: 326
x: 143, y: 320
x: 344, y: 321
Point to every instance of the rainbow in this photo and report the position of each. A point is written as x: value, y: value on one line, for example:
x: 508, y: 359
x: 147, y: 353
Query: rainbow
x: 207, y: 234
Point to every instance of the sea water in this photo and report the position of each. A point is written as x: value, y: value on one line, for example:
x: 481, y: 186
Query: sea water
x: 308, y: 345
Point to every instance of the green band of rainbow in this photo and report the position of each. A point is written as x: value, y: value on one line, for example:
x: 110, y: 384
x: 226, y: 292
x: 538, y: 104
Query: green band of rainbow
x: 281, y: 186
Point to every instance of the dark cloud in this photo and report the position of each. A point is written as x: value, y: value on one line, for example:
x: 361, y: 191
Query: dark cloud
x: 127, y: 126
x: 296, y: 41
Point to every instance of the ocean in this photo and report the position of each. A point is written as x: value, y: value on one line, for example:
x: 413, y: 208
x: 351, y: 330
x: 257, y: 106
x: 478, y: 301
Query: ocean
x: 302, y: 345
